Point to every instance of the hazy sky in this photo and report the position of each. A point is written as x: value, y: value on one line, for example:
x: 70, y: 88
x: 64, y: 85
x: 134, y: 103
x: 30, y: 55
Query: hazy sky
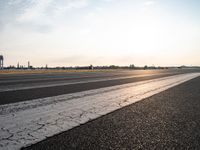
x: 100, y: 32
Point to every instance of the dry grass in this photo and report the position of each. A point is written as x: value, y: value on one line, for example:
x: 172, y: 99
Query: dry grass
x: 43, y: 71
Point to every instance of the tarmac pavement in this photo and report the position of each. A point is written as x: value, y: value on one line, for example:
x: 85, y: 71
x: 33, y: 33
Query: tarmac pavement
x: 167, y: 120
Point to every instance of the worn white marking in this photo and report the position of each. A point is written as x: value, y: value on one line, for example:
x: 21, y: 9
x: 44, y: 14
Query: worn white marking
x: 25, y: 123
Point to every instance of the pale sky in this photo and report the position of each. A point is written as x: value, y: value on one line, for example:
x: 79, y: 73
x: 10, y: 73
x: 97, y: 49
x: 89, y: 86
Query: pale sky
x: 100, y: 32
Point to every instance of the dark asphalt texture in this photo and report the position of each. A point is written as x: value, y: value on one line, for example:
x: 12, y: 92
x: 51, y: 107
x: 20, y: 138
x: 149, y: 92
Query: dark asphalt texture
x: 167, y: 120
x: 14, y: 79
x: 7, y: 97
x: 55, y: 77
x: 29, y: 94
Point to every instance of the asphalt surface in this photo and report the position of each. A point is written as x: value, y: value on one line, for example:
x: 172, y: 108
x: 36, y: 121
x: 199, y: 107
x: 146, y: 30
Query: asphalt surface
x: 71, y: 79
x: 168, y: 120
x: 13, y: 79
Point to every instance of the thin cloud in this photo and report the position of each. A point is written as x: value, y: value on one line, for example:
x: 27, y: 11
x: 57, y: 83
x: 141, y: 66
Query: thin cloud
x: 149, y: 3
x: 107, y: 0
x: 38, y: 15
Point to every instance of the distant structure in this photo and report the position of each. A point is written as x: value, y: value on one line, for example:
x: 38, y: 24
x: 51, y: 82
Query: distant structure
x: 18, y: 65
x: 1, y: 61
x: 28, y: 65
x: 91, y: 67
x: 132, y: 66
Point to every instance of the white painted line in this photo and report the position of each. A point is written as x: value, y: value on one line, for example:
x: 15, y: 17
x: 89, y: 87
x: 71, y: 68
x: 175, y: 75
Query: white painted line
x: 61, y: 83
x: 25, y: 123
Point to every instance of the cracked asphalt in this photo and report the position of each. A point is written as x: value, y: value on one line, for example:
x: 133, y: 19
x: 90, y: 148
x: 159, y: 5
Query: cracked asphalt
x: 168, y: 120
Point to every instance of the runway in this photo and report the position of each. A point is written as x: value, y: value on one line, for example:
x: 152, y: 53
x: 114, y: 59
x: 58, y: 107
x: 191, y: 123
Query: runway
x: 168, y: 120
x: 16, y: 88
x: 34, y: 111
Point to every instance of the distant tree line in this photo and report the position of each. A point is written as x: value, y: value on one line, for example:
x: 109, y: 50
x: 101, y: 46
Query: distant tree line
x: 91, y: 67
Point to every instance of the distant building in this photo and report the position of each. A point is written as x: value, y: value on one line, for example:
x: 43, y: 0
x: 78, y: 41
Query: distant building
x: 18, y: 65
x: 28, y: 65
x: 1, y: 61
